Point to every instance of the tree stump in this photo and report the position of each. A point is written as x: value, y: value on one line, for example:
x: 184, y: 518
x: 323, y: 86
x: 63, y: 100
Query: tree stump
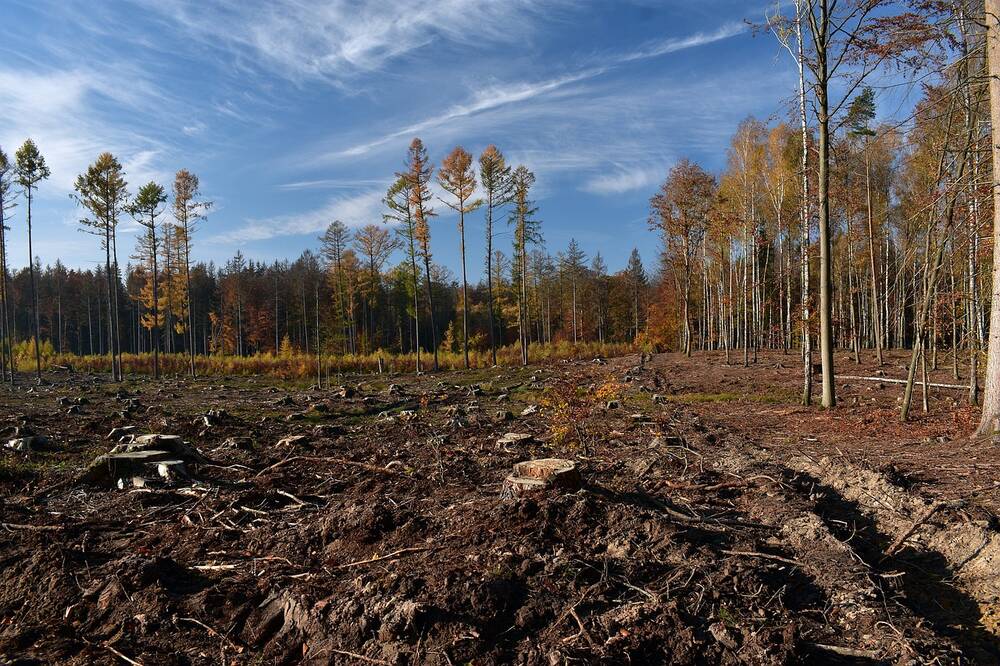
x: 539, y: 475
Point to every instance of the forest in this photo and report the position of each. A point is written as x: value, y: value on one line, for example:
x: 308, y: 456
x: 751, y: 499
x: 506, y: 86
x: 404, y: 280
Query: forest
x: 766, y: 439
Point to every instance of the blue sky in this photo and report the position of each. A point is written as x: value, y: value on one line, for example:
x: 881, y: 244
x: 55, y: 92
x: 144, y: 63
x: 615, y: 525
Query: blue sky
x: 296, y: 113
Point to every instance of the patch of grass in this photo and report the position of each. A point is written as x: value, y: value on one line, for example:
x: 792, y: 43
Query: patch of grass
x: 13, y: 469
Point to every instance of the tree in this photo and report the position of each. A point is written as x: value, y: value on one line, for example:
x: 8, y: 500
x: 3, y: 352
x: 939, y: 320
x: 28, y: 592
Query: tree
x: 638, y: 280
x: 526, y: 226
x: 145, y: 208
x: 7, y: 173
x: 418, y: 174
x: 30, y: 171
x: 573, y: 263
x: 835, y: 29
x: 101, y: 190
x: 397, y: 200
x: 860, y: 114
x: 189, y: 211
x: 458, y: 179
x: 495, y: 176
x: 334, y: 243
x: 990, y: 420
x: 375, y: 244
x: 680, y: 213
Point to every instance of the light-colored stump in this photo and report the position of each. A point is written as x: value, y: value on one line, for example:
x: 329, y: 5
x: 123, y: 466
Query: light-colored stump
x: 540, y: 475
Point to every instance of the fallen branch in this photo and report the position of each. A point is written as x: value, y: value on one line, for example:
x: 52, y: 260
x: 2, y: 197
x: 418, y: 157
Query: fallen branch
x: 705, y: 520
x: 32, y: 528
x: 120, y: 655
x: 339, y: 461
x: 766, y: 556
x: 358, y: 656
x: 390, y: 556
x: 924, y: 517
x: 957, y: 387
x: 845, y: 651
x: 213, y: 632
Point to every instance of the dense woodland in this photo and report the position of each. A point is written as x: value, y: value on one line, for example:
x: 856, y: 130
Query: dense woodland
x: 833, y: 226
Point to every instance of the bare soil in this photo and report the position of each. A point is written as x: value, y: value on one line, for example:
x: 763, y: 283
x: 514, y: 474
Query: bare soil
x: 718, y: 521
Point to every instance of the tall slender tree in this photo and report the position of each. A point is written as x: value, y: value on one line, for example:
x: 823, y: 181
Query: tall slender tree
x: 375, y: 244
x: 189, y: 211
x: 7, y: 202
x: 398, y: 201
x: 31, y: 170
x: 526, y: 230
x: 457, y: 178
x: 495, y: 176
x: 418, y: 173
x: 146, y: 208
x: 102, y: 191
x: 989, y: 422
x: 334, y: 243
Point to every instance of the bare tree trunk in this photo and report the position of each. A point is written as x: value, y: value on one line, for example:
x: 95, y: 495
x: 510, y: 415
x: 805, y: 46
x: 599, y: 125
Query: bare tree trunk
x: 988, y: 423
x: 877, y: 331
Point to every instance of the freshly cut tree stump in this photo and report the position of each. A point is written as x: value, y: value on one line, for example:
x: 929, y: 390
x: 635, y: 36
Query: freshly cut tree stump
x: 540, y: 475
x: 157, y: 442
x: 109, y: 469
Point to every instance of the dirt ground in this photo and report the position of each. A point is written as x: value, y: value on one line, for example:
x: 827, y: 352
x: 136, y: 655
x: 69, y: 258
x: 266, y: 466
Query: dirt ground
x: 718, y: 522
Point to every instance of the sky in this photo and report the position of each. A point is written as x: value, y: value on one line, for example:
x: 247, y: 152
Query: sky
x: 295, y: 113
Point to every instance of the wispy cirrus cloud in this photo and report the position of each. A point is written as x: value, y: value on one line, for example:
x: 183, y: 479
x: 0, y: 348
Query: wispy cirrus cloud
x: 499, y: 95
x: 624, y: 178
x: 59, y: 110
x: 354, y: 210
x: 339, y: 40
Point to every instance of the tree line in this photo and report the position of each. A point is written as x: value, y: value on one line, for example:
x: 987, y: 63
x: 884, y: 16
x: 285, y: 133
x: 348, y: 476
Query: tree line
x: 368, y: 289
x: 831, y: 229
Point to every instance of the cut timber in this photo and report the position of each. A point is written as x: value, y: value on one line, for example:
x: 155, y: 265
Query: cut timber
x: 542, y: 474
x: 174, y: 444
x: 514, y: 438
x: 108, y: 470
x: 889, y: 380
x: 162, y: 472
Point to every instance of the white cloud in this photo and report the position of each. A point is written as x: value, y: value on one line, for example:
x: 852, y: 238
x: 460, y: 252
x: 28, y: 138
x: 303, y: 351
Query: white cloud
x: 673, y: 44
x: 57, y: 109
x: 499, y: 95
x: 340, y: 39
x: 354, y: 210
x: 624, y: 179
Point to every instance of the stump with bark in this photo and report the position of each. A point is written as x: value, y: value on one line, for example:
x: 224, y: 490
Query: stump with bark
x: 540, y: 475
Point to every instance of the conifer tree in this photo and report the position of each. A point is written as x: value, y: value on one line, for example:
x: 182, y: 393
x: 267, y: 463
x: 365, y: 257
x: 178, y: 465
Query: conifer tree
x: 495, y: 176
x: 101, y: 190
x: 30, y: 171
x: 146, y: 208
x: 458, y: 179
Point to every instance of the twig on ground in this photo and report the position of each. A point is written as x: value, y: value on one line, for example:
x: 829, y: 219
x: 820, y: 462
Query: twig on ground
x: 213, y: 632
x: 766, y: 556
x: 360, y: 657
x: 382, y: 558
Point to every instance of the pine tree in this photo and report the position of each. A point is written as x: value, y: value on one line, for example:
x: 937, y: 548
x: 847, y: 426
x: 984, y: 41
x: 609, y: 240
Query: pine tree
x: 189, y: 211
x: 101, y: 190
x: 418, y: 175
x: 458, y: 179
x: 526, y: 230
x: 30, y: 171
x: 495, y: 176
x: 146, y: 208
